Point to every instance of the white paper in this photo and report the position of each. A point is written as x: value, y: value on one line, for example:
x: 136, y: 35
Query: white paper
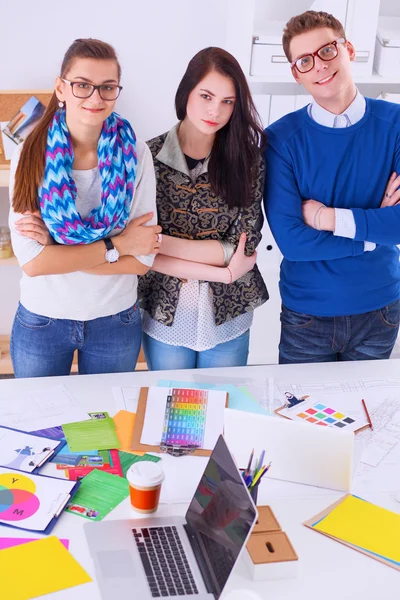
x: 40, y: 409
x: 299, y: 453
x: 155, y: 411
x: 183, y: 476
x: 23, y: 451
x: 8, y: 145
x: 126, y: 398
x: 36, y: 502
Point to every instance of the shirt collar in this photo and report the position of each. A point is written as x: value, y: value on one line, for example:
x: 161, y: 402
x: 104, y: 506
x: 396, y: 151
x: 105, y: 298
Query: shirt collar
x: 352, y: 114
x: 171, y: 153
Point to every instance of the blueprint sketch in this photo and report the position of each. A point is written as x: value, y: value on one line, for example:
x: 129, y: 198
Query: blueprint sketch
x: 40, y: 409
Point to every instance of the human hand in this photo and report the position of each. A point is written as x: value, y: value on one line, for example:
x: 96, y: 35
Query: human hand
x: 240, y: 264
x: 33, y: 227
x: 392, y: 193
x: 138, y: 238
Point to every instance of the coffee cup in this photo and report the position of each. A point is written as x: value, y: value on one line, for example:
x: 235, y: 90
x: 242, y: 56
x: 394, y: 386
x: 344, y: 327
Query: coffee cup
x: 145, y: 479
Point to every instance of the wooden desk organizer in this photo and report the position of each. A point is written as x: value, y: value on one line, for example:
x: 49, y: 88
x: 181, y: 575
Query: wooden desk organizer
x: 269, y: 553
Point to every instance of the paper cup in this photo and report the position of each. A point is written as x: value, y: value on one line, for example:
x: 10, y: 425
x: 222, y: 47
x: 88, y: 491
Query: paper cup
x: 145, y: 479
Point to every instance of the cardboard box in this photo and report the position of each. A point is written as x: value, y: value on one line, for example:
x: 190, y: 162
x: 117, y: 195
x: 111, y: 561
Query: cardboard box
x: 269, y: 553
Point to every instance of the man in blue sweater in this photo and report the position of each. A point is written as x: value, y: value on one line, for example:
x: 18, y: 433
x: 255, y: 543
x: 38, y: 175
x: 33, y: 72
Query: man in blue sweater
x: 330, y: 208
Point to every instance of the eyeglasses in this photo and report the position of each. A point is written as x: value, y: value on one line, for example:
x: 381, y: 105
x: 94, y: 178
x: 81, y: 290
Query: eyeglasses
x: 83, y: 90
x: 326, y: 53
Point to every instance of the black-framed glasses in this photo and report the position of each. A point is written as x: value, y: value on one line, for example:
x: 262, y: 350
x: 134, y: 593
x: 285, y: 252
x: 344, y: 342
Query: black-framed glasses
x: 327, y: 52
x: 83, y: 90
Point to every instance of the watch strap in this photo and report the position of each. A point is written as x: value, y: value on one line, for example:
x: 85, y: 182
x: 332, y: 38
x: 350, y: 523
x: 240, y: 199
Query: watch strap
x: 108, y: 243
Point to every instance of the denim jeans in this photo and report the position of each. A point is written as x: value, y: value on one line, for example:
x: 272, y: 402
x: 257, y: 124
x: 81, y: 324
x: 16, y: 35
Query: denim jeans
x: 43, y: 347
x: 160, y: 356
x: 308, y: 339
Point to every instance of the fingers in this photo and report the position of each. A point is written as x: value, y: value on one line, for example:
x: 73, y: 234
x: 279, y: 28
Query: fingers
x: 31, y: 226
x: 393, y: 184
x: 242, y: 243
x: 394, y: 199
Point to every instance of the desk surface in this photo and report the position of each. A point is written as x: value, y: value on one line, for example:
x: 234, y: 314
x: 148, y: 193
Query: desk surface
x: 326, y: 568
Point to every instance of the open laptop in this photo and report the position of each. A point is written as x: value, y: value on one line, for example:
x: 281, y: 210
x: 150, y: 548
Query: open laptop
x: 187, y: 557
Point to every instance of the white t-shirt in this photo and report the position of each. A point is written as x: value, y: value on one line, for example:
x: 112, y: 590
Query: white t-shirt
x: 82, y: 296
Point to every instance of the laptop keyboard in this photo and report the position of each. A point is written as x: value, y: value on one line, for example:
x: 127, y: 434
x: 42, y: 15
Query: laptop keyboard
x: 164, y: 561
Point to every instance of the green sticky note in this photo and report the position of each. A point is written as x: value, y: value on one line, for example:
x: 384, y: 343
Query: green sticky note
x: 91, y: 435
x: 127, y: 459
x: 99, y: 493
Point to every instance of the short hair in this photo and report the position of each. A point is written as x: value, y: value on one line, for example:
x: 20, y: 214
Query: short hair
x: 308, y: 21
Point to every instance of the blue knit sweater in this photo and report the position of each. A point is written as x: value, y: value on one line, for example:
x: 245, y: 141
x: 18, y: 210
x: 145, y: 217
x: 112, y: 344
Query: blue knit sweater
x: 321, y: 274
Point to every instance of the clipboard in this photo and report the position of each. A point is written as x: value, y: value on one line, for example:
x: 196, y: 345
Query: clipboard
x: 58, y: 504
x: 51, y: 452
x: 136, y: 446
x: 309, y: 402
x: 310, y: 522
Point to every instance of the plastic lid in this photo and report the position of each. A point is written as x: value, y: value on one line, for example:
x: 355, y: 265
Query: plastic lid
x: 145, y: 474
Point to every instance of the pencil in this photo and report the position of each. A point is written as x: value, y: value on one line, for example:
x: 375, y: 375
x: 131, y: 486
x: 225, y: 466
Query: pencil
x: 367, y: 413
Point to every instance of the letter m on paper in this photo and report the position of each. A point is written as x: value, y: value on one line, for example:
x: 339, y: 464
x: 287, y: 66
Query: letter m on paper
x: 18, y: 512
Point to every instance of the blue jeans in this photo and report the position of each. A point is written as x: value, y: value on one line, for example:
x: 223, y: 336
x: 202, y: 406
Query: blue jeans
x: 308, y: 339
x: 43, y: 347
x: 160, y: 356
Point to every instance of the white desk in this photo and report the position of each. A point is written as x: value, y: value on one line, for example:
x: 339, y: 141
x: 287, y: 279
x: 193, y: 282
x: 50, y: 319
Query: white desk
x: 327, y: 568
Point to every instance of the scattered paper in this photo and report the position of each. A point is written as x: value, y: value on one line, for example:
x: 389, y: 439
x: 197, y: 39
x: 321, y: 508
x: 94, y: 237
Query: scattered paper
x: 99, y: 494
x: 40, y: 409
x: 9, y: 542
x: 40, y: 567
x: 126, y: 398
x: 91, y: 435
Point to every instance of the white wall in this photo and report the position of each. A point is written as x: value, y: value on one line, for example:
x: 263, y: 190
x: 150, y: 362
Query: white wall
x: 154, y: 39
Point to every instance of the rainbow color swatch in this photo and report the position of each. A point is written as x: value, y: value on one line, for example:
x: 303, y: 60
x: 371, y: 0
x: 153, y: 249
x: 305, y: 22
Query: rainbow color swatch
x: 185, y: 417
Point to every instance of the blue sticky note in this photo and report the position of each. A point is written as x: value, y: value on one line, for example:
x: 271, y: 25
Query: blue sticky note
x: 237, y: 399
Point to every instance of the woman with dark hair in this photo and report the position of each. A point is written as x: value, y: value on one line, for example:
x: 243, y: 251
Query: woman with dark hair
x: 199, y: 298
x: 84, y: 181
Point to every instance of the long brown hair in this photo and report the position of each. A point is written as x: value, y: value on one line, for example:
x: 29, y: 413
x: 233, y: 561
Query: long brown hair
x: 30, y: 169
x: 237, y: 146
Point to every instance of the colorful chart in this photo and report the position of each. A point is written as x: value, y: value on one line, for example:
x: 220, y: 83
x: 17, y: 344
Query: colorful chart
x: 185, y: 417
x: 17, y: 498
x: 321, y: 414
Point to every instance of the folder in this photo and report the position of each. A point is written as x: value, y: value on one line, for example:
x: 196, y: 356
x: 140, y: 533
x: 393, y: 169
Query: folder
x: 363, y: 526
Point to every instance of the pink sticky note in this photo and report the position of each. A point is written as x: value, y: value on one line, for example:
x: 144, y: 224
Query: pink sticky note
x: 9, y: 542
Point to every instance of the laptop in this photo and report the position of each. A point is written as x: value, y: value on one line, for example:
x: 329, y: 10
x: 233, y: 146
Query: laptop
x: 187, y: 557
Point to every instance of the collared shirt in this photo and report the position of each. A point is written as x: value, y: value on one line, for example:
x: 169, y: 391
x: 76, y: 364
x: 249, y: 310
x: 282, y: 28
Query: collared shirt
x: 344, y: 220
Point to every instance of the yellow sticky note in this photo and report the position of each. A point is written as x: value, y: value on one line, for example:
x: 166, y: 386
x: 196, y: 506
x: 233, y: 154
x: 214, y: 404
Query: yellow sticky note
x: 365, y: 525
x: 47, y: 567
x: 125, y: 422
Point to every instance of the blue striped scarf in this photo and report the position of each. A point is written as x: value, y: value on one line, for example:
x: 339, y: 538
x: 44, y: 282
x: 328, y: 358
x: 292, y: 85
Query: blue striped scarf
x: 117, y: 164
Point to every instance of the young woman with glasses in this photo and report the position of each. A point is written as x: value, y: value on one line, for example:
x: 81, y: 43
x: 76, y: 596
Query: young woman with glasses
x: 83, y: 227
x: 198, y: 299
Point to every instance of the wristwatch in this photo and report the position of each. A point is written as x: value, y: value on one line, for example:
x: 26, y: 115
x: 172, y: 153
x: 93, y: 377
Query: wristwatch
x: 112, y: 254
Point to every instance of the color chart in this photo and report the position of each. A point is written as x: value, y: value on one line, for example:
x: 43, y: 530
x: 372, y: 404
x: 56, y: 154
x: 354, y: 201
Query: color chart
x: 185, y: 417
x: 324, y: 414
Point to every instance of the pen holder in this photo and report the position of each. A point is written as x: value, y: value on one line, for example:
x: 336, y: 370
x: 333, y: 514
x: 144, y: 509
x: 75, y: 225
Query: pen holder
x: 269, y: 553
x: 254, y: 493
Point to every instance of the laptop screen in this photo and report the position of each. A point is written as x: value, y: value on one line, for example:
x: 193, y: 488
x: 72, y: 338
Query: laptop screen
x: 220, y: 517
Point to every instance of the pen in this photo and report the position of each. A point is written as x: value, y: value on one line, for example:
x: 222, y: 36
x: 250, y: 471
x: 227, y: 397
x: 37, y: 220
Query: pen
x: 247, y: 472
x: 367, y: 413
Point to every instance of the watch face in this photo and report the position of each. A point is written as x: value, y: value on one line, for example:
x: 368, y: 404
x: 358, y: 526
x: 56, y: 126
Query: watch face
x: 112, y: 255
